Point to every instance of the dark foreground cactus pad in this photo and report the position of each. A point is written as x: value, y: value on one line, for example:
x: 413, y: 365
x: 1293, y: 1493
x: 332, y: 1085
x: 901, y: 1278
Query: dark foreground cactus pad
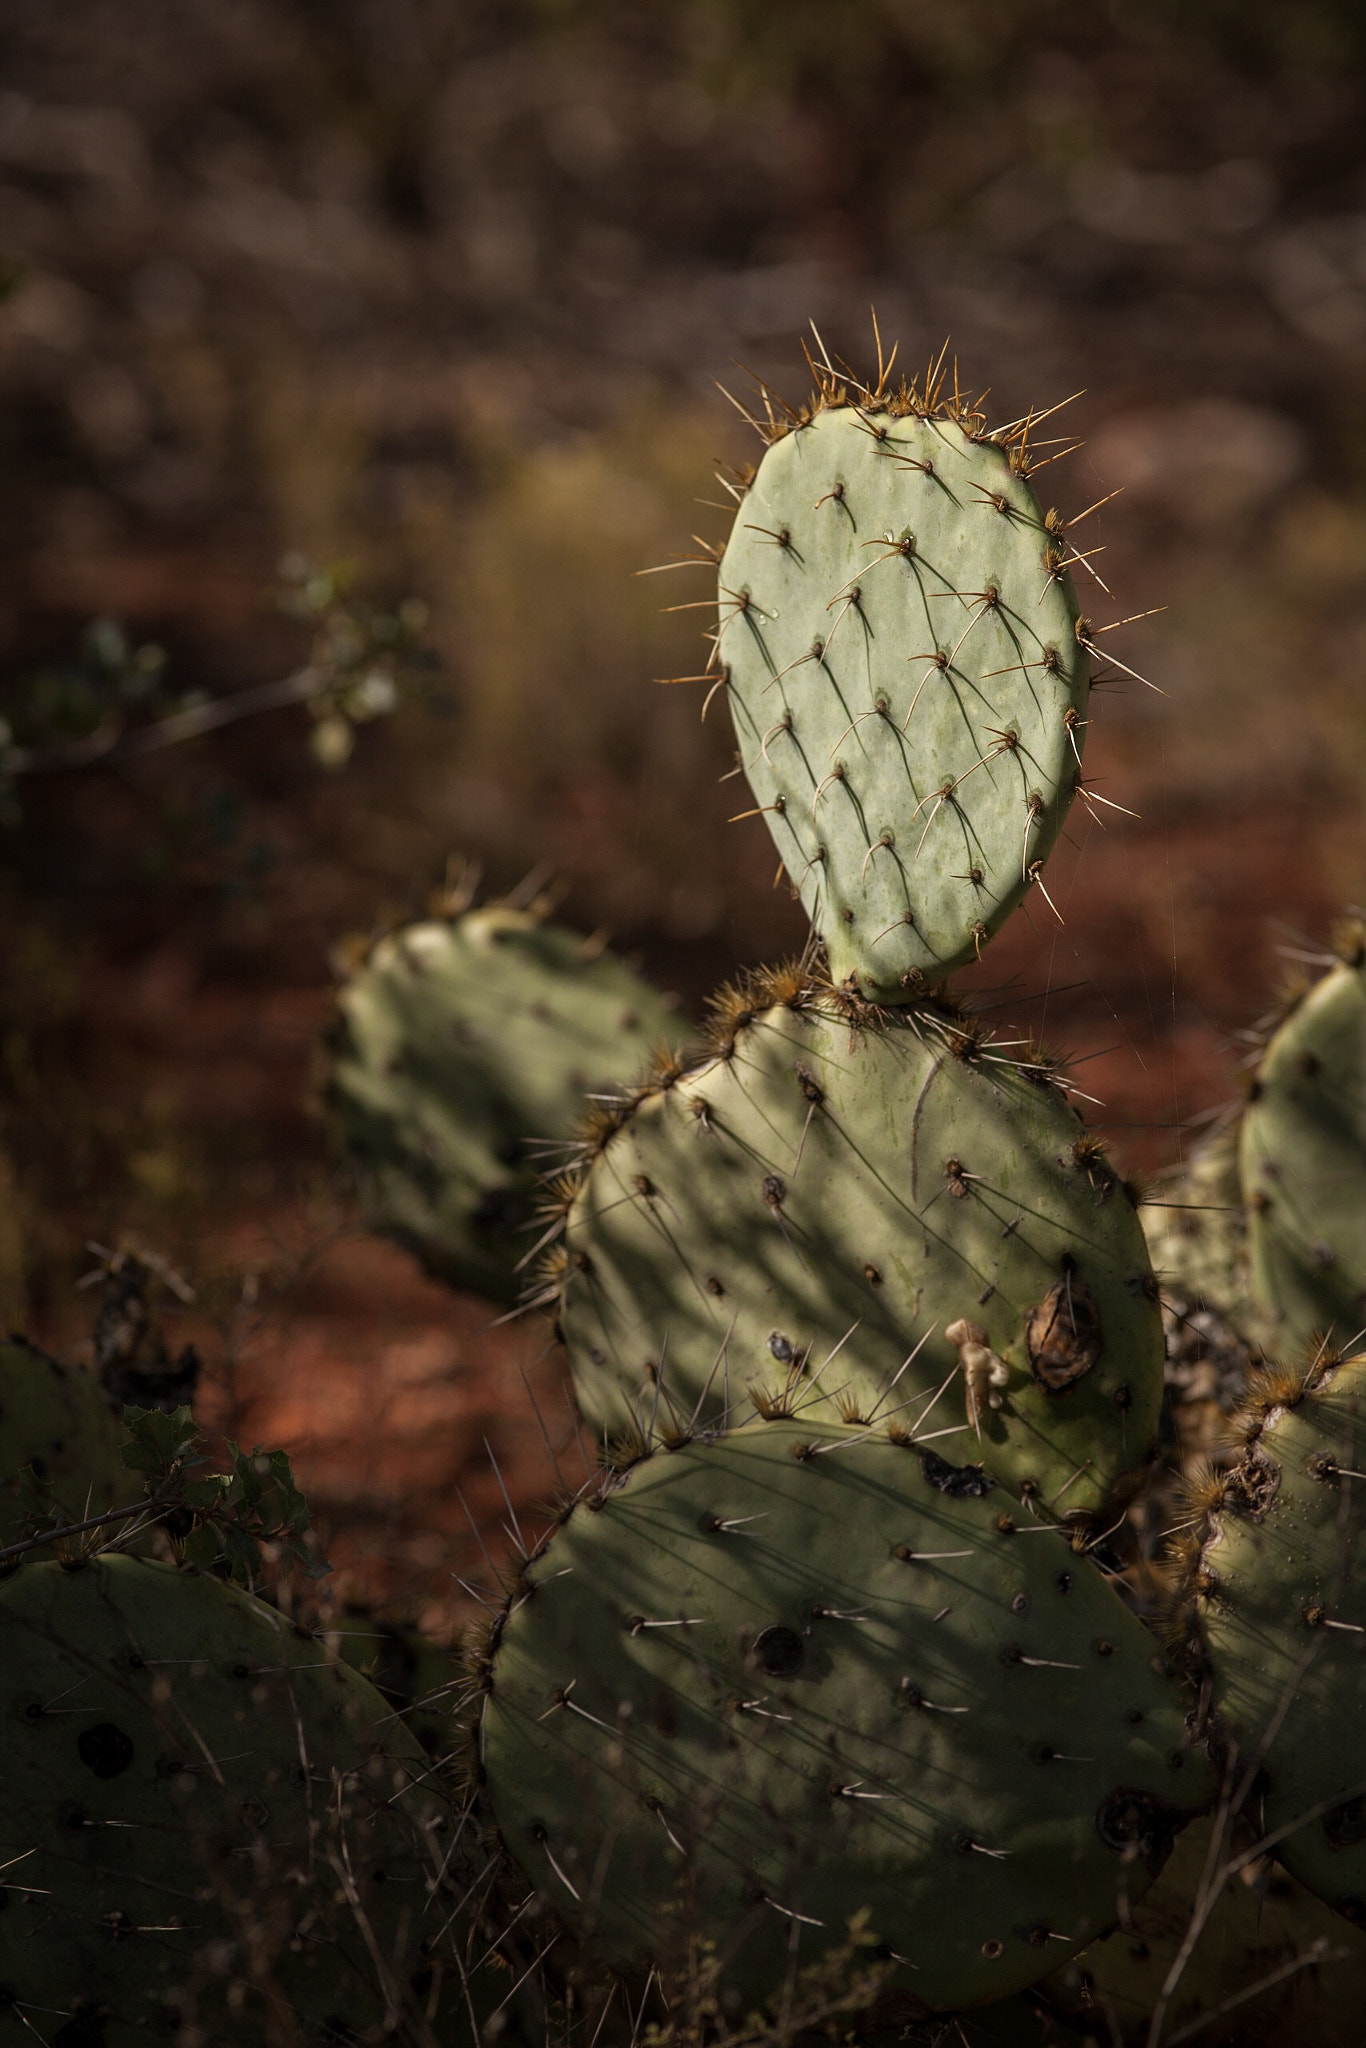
x: 206, y: 1823
x: 465, y: 1051
x: 836, y: 1187
x: 908, y: 681
x: 771, y: 1681
x: 1303, y: 1161
x: 1269, y: 1964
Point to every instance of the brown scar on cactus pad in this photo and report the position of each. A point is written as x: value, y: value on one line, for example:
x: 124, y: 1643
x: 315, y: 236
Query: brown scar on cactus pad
x: 764, y: 1682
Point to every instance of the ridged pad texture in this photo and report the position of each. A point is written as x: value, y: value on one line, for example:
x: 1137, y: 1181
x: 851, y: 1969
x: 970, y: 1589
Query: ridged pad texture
x: 185, y: 1778
x: 1303, y: 1159
x: 833, y: 1186
x: 1281, y: 1598
x: 906, y: 683
x: 463, y: 1047
x: 767, y: 1685
x: 56, y: 1423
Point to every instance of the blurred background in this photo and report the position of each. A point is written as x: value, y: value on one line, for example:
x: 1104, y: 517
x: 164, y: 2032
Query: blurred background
x: 433, y: 295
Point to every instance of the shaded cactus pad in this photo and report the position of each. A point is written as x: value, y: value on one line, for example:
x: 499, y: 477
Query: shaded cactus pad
x: 462, y: 1047
x: 198, y: 1810
x: 60, y: 1440
x: 907, y: 683
x: 1279, y: 1589
x: 1262, y: 1925
x: 771, y: 1681
x: 836, y: 1187
x: 1303, y: 1162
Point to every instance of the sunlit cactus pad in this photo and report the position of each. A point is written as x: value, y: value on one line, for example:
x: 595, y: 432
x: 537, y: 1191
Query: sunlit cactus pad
x: 60, y: 1441
x: 908, y: 687
x: 768, y: 1682
x: 1278, y: 1583
x: 1303, y: 1158
x: 205, y: 1822
x: 465, y: 1051
x: 836, y: 1187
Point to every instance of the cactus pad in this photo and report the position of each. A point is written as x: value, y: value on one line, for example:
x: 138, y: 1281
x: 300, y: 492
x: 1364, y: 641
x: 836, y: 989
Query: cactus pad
x: 1263, y: 1926
x: 771, y: 1681
x: 191, y: 1791
x: 1303, y: 1158
x: 1279, y: 1589
x: 908, y: 679
x: 461, y: 1047
x: 58, y: 1426
x: 840, y: 1181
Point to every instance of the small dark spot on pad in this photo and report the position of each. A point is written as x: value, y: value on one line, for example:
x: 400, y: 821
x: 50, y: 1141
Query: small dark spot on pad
x: 104, y: 1749
x: 779, y: 1651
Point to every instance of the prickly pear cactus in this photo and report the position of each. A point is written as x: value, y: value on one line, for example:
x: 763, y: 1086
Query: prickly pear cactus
x: 1303, y: 1159
x: 203, y: 1818
x: 1270, y: 1962
x: 1277, y: 1583
x: 60, y: 1440
x: 908, y: 675
x: 835, y: 1189
x: 769, y: 1682
x: 418, y: 1674
x: 464, y: 1052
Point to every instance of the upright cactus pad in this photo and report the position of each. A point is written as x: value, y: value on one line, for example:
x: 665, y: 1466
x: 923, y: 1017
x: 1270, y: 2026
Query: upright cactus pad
x: 60, y: 1441
x: 205, y: 1821
x: 1278, y: 1584
x: 769, y: 1682
x: 462, y: 1048
x: 908, y: 676
x: 1303, y: 1158
x: 836, y: 1188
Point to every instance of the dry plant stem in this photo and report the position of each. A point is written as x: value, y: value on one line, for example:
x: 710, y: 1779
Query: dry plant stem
x: 110, y: 744
x: 39, y: 1542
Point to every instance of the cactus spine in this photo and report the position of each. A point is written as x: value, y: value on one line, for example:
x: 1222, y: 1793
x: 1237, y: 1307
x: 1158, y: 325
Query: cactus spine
x: 835, y: 1189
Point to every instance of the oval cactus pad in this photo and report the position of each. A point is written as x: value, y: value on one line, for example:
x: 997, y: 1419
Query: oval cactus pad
x: 901, y: 642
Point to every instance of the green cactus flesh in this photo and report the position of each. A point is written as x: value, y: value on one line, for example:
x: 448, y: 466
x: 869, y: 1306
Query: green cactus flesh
x: 60, y: 1441
x: 1269, y: 1964
x: 771, y: 1681
x: 1279, y: 1585
x: 465, y: 1049
x: 802, y: 1211
x: 1198, y: 1235
x: 1303, y: 1158
x: 907, y: 684
x: 204, y: 1820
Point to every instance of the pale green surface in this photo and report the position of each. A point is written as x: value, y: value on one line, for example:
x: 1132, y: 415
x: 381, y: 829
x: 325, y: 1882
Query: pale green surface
x: 707, y: 1273
x: 752, y: 1798
x: 202, y: 1704
x: 465, y: 1051
x: 881, y: 650
x: 1303, y: 1558
x: 1303, y: 1160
